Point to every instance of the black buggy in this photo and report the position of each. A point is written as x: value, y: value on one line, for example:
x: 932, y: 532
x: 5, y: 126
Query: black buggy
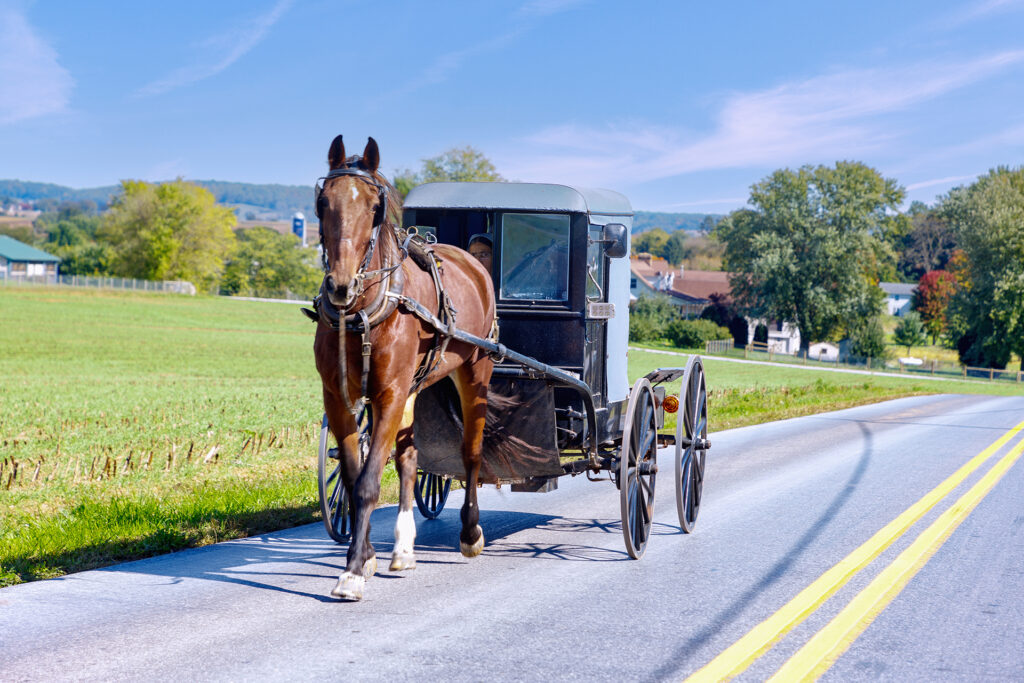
x: 559, y: 391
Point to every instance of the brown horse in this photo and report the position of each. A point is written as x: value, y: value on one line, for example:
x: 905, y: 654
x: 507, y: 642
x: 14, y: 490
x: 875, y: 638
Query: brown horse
x: 367, y: 275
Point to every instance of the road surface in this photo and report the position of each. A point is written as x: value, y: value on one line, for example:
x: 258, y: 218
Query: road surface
x: 788, y: 507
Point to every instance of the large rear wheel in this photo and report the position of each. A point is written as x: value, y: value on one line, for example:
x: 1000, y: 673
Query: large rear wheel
x: 638, y: 468
x: 691, y: 444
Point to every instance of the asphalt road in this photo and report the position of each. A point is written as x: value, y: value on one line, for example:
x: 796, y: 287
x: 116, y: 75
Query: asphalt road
x: 554, y: 595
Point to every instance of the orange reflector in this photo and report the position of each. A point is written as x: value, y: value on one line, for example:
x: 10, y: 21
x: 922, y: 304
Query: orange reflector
x: 671, y: 404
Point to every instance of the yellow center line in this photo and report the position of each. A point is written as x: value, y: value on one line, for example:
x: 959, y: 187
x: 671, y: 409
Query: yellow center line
x: 737, y: 657
x: 821, y: 651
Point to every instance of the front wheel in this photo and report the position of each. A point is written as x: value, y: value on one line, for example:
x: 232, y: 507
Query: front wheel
x: 333, y: 497
x: 431, y: 493
x: 638, y: 468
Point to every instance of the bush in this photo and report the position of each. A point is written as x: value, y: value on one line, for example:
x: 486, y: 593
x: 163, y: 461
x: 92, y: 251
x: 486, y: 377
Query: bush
x: 649, y: 317
x: 867, y: 340
x: 690, y: 334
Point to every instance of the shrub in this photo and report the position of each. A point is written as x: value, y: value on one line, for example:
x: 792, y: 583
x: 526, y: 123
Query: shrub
x: 649, y: 317
x: 689, y: 334
x: 867, y: 340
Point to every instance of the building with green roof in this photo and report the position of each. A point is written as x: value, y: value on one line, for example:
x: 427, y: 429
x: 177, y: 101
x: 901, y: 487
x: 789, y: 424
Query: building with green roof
x: 19, y: 261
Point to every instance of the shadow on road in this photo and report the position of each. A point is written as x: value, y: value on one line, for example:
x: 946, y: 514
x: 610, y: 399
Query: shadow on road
x: 733, y: 610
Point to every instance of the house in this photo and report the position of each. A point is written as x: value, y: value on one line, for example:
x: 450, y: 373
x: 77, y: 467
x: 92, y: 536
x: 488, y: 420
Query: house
x: 897, y: 296
x: 19, y: 261
x: 691, y: 290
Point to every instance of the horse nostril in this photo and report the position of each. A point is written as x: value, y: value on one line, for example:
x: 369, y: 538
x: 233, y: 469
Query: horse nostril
x: 329, y: 284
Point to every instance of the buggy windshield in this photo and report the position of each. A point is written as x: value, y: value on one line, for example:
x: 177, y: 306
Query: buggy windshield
x: 535, y: 256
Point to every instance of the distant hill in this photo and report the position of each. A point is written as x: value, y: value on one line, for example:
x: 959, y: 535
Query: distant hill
x: 279, y: 202
x: 264, y: 202
x: 670, y: 222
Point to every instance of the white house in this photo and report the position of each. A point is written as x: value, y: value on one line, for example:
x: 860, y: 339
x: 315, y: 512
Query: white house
x: 897, y: 296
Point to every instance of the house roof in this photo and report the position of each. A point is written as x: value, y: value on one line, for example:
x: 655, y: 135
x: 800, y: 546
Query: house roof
x: 692, y: 284
x: 522, y: 196
x: 904, y: 288
x: 13, y: 250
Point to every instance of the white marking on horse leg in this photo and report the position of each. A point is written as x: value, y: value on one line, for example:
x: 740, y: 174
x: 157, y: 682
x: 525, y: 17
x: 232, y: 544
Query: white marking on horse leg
x: 405, y: 536
x: 476, y: 548
x: 370, y: 567
x: 350, y: 586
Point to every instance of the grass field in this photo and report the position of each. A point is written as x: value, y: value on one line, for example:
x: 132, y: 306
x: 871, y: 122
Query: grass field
x: 135, y: 424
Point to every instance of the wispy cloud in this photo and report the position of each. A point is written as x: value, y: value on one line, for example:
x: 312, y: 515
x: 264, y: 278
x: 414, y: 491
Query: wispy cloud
x: 829, y: 116
x: 34, y: 82
x: 225, y: 49
x: 444, y: 66
x: 939, y: 181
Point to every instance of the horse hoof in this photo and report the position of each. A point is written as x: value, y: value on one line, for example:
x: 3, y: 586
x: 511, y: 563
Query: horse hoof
x: 370, y: 567
x: 350, y: 587
x: 402, y: 560
x: 474, y: 549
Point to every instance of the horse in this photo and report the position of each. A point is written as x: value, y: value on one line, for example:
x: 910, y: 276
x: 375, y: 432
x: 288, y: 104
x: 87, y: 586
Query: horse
x: 385, y: 351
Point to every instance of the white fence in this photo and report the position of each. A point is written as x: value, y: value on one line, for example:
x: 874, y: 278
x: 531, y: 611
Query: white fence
x: 168, y: 286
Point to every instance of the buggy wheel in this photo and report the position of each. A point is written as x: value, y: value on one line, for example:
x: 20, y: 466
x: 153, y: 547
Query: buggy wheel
x: 333, y: 497
x: 691, y: 444
x: 431, y: 493
x: 638, y: 468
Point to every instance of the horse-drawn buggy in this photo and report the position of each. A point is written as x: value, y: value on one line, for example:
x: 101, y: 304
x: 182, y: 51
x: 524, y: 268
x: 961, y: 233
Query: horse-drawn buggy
x: 506, y: 369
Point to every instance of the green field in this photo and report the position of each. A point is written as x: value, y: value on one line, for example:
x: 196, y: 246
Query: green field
x: 134, y: 424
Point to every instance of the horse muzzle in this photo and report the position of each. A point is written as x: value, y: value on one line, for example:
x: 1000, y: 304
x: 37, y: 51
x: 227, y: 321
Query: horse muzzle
x: 341, y: 295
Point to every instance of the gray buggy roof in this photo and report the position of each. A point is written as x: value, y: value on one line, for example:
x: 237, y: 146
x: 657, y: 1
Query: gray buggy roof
x: 518, y: 196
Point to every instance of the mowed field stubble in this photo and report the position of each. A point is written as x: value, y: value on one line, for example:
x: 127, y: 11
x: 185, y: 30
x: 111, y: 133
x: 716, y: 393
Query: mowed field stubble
x: 133, y: 424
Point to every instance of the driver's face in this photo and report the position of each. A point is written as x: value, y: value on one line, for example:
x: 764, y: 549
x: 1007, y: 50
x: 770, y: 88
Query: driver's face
x: 482, y: 252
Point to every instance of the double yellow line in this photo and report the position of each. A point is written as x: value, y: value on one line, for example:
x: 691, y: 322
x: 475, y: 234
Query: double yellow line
x: 827, y: 645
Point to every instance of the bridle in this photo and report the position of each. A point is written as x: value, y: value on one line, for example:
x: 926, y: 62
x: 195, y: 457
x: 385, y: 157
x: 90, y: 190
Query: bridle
x: 351, y: 168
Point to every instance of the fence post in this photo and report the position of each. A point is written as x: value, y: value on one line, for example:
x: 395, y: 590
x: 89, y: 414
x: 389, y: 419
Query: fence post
x: 991, y: 374
x: 965, y: 371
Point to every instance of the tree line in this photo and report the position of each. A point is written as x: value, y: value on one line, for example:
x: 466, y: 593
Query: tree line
x: 817, y: 240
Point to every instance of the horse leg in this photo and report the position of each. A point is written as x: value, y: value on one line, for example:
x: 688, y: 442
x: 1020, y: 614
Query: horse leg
x: 362, y: 559
x: 346, y: 433
x: 405, y: 464
x: 471, y: 380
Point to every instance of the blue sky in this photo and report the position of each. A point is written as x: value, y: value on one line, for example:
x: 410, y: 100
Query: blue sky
x: 679, y: 105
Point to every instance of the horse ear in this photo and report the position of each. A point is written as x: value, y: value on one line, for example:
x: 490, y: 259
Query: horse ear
x: 336, y: 155
x: 371, y: 155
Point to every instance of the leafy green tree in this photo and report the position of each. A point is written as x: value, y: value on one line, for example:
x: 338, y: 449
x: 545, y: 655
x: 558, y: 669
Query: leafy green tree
x: 650, y: 242
x: 867, y: 339
x: 458, y: 164
x: 812, y: 249
x: 676, y: 249
x: 461, y: 164
x: 910, y: 332
x: 987, y: 312
x: 267, y: 263
x: 170, y: 231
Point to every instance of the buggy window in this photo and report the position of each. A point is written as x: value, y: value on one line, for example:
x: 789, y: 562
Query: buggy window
x: 535, y: 256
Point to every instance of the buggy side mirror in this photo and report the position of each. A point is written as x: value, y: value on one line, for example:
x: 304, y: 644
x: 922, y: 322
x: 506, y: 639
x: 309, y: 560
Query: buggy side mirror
x: 616, y: 240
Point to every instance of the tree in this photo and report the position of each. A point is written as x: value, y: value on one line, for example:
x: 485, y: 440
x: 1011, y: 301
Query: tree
x: 171, y: 231
x: 458, y: 164
x: 676, y: 251
x: 267, y: 263
x: 929, y: 244
x: 812, y: 249
x: 651, y: 242
x: 650, y: 316
x: 910, y: 332
x: 461, y: 164
x: 931, y: 299
x: 987, y: 311
x: 867, y: 339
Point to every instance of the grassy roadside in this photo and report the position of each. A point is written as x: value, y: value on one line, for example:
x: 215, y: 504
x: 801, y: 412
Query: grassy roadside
x: 133, y: 424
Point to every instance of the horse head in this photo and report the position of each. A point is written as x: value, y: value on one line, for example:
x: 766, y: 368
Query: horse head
x: 352, y: 206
